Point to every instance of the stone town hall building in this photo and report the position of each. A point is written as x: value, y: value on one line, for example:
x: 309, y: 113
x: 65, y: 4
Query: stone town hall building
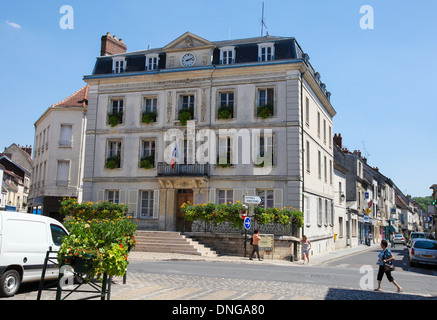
x: 262, y: 90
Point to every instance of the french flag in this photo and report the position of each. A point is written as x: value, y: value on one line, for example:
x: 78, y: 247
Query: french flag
x: 173, y: 157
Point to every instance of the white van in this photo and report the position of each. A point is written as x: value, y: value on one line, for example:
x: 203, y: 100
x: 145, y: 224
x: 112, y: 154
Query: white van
x: 24, y: 241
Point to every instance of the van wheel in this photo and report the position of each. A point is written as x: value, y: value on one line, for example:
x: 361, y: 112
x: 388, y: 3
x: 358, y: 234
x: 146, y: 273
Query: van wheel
x: 10, y: 282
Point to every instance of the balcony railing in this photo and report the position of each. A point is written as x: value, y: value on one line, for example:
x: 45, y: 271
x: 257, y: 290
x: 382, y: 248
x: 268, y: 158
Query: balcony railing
x: 195, y: 169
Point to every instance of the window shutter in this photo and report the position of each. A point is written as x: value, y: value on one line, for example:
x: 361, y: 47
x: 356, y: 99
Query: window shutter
x: 122, y: 197
x: 156, y: 203
x: 212, y: 195
x: 238, y: 195
x: 251, y: 191
x: 132, y: 202
x: 100, y: 195
x: 278, y: 198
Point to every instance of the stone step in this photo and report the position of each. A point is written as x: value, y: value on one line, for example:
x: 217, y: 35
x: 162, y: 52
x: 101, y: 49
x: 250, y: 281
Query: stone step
x: 169, y: 242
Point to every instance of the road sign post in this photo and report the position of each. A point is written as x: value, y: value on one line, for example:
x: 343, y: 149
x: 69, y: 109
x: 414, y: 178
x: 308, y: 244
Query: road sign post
x: 247, y: 224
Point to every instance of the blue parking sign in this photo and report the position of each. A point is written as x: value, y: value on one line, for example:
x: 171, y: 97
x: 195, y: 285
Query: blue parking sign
x: 247, y: 223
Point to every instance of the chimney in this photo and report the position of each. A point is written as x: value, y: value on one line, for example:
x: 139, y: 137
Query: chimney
x: 110, y: 45
x: 27, y: 149
x: 338, y: 140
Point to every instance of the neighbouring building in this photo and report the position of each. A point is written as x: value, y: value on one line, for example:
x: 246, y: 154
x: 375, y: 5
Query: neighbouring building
x: 3, y: 189
x: 58, y: 154
x: 15, y: 185
x: 263, y: 94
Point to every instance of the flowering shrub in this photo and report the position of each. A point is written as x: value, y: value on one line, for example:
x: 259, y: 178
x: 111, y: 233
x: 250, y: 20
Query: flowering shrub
x: 101, y: 233
x: 209, y: 212
x: 230, y: 212
x: 284, y: 216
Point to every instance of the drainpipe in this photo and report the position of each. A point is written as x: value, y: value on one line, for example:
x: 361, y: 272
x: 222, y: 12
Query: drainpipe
x: 303, y: 145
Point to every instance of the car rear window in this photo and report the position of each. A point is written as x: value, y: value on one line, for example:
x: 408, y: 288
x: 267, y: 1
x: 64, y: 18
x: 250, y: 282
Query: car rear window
x: 425, y: 245
x: 398, y: 236
x: 416, y: 236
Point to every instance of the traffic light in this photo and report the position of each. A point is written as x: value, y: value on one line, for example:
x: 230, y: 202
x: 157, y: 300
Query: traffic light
x: 434, y: 202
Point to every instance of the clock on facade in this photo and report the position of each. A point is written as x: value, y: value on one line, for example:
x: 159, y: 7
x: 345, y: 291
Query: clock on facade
x: 188, y: 60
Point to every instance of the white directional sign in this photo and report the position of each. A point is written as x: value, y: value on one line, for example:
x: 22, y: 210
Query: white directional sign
x: 252, y: 199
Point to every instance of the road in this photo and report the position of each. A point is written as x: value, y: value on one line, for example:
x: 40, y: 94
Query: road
x: 349, y: 278
x: 343, y: 279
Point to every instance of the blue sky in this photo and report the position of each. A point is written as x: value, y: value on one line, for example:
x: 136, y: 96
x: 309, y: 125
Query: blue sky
x: 382, y: 80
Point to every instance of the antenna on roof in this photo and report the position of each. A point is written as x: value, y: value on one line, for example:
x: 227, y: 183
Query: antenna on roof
x: 262, y: 22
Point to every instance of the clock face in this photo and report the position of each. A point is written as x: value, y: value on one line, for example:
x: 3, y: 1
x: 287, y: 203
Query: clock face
x: 188, y: 60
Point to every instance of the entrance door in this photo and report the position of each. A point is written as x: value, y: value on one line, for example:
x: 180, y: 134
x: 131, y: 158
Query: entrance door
x: 183, y: 195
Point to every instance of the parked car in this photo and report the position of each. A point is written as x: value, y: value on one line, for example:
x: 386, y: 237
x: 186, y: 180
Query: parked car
x: 399, y: 238
x: 24, y: 241
x: 423, y: 251
x: 415, y: 235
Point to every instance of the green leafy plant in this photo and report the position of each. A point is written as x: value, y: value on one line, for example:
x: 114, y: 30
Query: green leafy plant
x: 149, y: 117
x: 225, y: 112
x: 115, y: 118
x: 112, y: 162
x: 186, y: 114
x: 148, y: 162
x: 265, y: 111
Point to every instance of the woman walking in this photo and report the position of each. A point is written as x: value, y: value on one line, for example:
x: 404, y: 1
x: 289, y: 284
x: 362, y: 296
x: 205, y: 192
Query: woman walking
x: 385, y: 261
x: 306, y: 247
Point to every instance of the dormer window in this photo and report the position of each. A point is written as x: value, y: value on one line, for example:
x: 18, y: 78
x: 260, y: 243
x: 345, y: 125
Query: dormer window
x: 227, y: 55
x: 152, y: 62
x: 266, y: 51
x: 119, y: 65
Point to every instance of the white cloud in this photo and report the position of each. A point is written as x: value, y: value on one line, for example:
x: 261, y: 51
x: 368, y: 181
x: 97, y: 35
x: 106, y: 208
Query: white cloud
x: 13, y: 24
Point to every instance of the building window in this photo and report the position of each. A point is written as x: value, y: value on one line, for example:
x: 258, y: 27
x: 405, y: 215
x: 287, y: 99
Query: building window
x: 266, y: 52
x: 113, y: 155
x: 147, y: 160
x: 224, y: 156
x: 225, y: 196
x: 118, y: 65
x: 318, y: 124
x: 225, y: 109
x: 307, y: 112
x: 150, y: 106
x: 227, y: 55
x: 320, y: 213
x: 116, y: 111
x: 308, y: 164
x: 152, y: 62
x: 186, y: 107
x: 63, y: 173
x: 320, y: 164
x: 265, y: 155
x: 66, y: 135
x: 267, y: 195
x: 265, y: 99
x: 325, y: 169
x: 112, y: 196
x: 324, y: 131
x: 146, y: 209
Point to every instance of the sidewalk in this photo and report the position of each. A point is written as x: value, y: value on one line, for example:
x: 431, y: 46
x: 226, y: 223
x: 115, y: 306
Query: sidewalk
x: 314, y: 260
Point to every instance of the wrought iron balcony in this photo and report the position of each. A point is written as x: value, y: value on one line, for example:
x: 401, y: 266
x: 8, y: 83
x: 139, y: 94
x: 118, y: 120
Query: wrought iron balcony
x: 195, y: 169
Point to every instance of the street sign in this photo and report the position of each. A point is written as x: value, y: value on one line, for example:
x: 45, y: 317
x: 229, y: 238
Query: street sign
x: 252, y: 199
x: 368, y: 210
x: 247, y: 223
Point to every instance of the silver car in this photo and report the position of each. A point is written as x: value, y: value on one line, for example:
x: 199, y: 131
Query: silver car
x: 423, y: 251
x: 399, y: 238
